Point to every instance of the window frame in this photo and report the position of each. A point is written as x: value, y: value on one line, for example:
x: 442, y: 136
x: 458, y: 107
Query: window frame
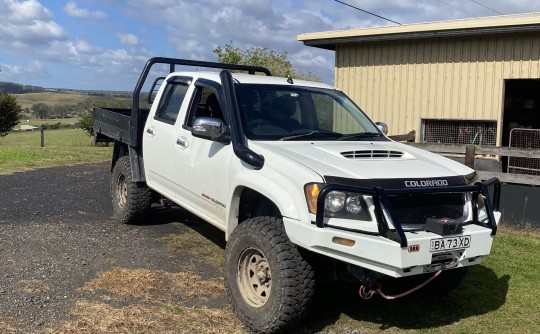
x: 170, y: 84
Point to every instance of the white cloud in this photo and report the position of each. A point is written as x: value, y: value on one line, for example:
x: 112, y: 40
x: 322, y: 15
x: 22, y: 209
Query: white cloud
x: 73, y: 10
x: 128, y: 39
x: 27, y: 24
x: 18, y: 73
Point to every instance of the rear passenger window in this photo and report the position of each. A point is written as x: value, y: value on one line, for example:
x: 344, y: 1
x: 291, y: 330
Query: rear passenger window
x: 171, y: 101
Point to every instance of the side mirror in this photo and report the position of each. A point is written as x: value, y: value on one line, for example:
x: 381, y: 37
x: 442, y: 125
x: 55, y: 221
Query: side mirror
x: 382, y: 126
x: 212, y: 129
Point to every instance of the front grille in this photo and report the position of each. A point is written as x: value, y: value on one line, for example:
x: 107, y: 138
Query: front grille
x: 412, y: 211
x: 370, y: 154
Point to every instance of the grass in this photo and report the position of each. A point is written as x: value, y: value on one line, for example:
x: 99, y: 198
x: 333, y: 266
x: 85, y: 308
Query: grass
x: 21, y: 151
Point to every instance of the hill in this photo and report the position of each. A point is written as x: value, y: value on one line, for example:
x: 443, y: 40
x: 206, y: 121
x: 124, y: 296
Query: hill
x: 70, y: 98
x: 15, y: 88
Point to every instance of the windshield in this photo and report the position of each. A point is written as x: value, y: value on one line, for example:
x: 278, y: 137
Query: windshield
x: 276, y: 112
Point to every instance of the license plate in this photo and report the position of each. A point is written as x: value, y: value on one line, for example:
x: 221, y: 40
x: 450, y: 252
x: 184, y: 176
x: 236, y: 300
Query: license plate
x: 443, y: 244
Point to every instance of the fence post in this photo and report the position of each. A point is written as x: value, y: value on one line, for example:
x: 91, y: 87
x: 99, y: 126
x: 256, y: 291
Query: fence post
x: 469, y: 155
x: 42, y: 137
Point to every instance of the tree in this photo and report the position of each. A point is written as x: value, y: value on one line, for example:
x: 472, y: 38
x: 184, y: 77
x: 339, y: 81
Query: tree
x: 9, y: 113
x: 86, y: 121
x: 275, y: 61
x: 41, y: 110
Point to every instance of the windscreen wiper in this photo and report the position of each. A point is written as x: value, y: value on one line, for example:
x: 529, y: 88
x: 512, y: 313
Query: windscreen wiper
x: 360, y: 135
x: 312, y: 134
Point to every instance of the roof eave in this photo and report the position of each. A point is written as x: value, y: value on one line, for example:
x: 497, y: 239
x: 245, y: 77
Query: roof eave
x: 331, y: 42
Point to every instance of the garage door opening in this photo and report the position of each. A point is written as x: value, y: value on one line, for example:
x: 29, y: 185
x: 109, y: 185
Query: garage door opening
x: 521, y: 123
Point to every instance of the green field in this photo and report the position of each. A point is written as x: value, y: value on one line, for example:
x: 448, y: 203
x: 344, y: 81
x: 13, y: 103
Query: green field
x: 22, y: 150
x: 65, y: 98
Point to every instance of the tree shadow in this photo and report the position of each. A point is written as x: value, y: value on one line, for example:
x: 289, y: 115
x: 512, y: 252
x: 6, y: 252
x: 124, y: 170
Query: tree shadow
x: 480, y: 292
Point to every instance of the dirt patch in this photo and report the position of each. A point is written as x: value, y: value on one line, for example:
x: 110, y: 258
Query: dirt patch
x: 33, y: 286
x: 155, y: 284
x: 158, y: 302
x: 96, y: 317
x: 6, y: 327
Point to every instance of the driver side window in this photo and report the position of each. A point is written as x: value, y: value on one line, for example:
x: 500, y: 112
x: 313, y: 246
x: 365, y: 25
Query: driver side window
x: 206, y: 104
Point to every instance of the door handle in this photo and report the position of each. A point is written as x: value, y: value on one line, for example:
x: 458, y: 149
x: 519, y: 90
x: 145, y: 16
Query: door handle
x: 182, y: 142
x: 151, y: 131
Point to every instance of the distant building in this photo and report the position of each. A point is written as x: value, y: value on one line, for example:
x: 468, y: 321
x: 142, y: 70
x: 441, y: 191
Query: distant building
x: 28, y: 128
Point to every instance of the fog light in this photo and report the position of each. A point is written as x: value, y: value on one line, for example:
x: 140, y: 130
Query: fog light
x: 343, y: 241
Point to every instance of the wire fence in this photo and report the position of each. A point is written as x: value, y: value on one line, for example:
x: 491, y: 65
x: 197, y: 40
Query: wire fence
x: 477, y: 132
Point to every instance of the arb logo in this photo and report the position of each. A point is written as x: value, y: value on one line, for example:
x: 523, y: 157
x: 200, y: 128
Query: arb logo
x: 414, y: 248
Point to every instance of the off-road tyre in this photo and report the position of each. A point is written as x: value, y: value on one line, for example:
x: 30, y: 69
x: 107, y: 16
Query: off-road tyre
x: 269, y: 284
x: 131, y: 201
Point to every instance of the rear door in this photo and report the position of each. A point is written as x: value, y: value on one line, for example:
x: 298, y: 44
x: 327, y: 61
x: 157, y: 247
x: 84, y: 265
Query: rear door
x: 160, y: 136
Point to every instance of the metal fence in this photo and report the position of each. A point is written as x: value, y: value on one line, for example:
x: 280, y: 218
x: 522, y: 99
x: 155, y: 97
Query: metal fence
x: 524, y: 138
x: 477, y: 132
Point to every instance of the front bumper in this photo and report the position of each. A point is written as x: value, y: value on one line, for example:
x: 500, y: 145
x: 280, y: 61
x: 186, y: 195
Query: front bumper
x: 393, y: 251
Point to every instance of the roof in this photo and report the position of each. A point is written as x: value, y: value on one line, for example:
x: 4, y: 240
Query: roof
x: 476, y: 26
x: 28, y: 127
x: 252, y: 79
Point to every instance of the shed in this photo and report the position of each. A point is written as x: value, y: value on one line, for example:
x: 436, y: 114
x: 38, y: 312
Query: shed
x: 469, y: 81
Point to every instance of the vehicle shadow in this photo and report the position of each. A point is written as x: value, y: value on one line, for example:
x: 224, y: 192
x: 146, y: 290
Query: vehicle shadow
x: 166, y: 216
x: 480, y: 292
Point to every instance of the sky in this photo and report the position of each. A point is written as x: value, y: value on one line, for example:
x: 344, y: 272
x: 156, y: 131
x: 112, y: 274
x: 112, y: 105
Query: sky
x: 103, y: 44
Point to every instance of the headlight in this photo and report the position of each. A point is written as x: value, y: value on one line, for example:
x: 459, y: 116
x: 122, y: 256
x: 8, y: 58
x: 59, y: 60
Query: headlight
x: 354, y: 204
x: 334, y: 201
x: 338, y: 204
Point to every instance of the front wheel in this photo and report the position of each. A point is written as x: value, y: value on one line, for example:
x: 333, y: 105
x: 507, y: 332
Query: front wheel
x: 131, y: 200
x: 269, y: 283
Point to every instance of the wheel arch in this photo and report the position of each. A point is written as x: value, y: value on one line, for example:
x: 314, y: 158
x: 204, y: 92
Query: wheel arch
x: 120, y: 150
x: 249, y: 202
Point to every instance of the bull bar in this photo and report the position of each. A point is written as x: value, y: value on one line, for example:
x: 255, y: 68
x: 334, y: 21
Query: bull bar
x: 381, y: 202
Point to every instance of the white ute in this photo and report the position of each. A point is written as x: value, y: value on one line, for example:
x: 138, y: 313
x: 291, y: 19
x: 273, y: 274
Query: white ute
x: 299, y: 179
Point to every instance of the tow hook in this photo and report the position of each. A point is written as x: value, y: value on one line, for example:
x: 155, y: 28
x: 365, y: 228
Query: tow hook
x: 366, y: 292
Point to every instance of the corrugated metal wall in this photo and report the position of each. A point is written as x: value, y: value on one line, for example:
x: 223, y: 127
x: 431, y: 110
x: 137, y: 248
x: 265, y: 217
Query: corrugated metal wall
x: 401, y: 82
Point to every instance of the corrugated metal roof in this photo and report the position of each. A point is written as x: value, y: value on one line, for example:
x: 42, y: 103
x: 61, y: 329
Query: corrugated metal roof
x: 465, y: 27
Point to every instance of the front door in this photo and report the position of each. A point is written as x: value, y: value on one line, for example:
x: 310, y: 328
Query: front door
x: 203, y: 165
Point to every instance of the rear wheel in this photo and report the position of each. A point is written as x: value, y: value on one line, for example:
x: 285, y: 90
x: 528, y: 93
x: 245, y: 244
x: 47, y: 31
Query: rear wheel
x: 269, y: 283
x: 131, y: 200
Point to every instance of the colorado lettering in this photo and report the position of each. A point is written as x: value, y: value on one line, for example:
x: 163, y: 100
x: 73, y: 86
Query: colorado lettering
x: 426, y: 183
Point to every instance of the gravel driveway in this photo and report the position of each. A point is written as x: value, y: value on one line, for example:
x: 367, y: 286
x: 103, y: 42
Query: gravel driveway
x: 56, y: 235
